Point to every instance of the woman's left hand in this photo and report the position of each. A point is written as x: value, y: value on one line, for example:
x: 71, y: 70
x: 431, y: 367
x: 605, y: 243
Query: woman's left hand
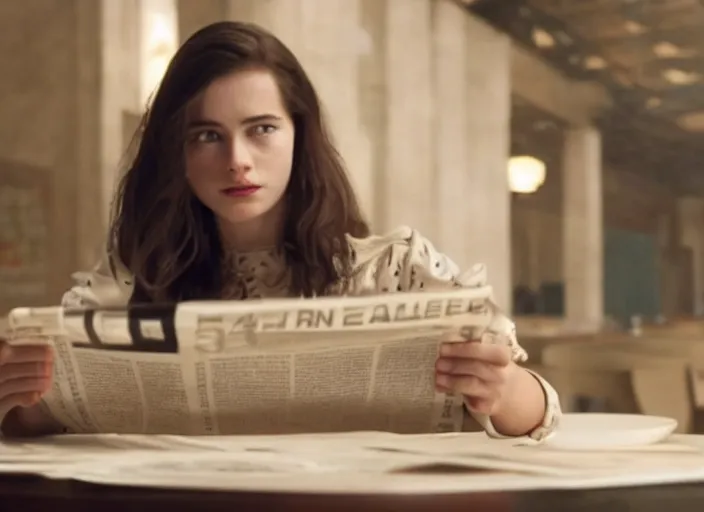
x: 483, y: 373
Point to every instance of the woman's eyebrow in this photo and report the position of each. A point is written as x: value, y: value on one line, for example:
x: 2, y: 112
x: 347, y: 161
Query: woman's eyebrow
x: 261, y: 118
x: 202, y: 123
x: 209, y: 123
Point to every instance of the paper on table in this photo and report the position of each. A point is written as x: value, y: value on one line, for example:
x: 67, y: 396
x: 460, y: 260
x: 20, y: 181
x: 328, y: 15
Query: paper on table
x: 351, y: 453
x: 346, y: 463
x: 384, y: 483
x: 348, y: 472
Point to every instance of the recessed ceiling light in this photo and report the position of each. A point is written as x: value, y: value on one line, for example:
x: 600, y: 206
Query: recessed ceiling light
x: 692, y: 121
x: 542, y: 39
x: 633, y: 27
x: 594, y: 62
x: 666, y: 50
x: 680, y: 77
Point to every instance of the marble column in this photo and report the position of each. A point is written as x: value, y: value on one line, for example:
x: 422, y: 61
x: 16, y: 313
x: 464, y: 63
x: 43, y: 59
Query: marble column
x: 373, y: 105
x: 405, y: 181
x: 327, y: 38
x: 471, y: 132
x: 583, y: 235
x: 113, y: 96
x: 119, y: 90
x: 124, y: 88
x: 195, y: 14
x: 92, y: 199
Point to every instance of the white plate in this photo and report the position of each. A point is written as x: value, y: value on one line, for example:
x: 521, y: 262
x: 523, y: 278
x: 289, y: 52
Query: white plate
x: 594, y: 431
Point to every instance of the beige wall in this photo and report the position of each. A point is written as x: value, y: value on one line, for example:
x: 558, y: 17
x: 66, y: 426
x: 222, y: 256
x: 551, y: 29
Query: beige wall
x: 48, y: 125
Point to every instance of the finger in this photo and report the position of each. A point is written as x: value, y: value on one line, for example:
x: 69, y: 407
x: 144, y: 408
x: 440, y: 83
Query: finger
x: 32, y: 342
x: 465, y: 385
x: 456, y: 366
x: 25, y: 354
x: 442, y: 389
x: 25, y: 385
x: 9, y: 402
x: 499, y: 355
x: 22, y: 342
x: 481, y: 405
x: 40, y: 369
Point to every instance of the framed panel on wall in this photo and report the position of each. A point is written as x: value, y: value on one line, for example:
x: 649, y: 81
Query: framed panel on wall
x: 631, y: 275
x: 27, y: 236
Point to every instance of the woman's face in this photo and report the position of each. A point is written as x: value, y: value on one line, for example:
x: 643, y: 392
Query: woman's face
x: 239, y: 150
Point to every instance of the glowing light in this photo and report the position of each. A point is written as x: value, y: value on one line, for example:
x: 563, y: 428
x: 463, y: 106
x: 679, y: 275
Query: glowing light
x: 526, y: 174
x: 159, y: 43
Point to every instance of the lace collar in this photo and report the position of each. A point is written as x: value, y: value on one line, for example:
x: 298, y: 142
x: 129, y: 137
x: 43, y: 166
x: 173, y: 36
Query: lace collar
x: 255, y: 274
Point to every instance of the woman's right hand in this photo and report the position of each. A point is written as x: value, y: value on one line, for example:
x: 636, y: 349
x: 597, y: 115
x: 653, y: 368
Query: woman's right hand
x: 26, y: 371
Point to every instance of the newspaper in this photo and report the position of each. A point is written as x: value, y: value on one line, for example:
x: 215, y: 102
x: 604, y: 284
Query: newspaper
x: 256, y: 367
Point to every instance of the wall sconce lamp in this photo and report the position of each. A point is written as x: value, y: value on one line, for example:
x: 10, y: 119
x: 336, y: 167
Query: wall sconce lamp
x: 526, y: 174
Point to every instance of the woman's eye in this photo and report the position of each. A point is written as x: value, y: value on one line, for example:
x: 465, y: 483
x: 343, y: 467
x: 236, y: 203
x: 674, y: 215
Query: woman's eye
x: 208, y: 136
x: 264, y: 129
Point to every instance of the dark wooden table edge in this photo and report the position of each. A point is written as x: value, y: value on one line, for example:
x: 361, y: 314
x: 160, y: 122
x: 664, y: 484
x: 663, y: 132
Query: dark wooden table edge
x: 34, y: 494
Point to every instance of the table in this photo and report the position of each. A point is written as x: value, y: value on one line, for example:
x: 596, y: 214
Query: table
x: 20, y: 493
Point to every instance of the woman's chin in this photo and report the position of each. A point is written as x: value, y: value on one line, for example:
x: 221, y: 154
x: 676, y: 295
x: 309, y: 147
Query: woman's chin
x: 242, y: 214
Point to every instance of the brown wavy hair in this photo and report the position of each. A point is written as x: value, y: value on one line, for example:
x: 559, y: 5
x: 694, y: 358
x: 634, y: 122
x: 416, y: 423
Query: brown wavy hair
x: 168, y: 239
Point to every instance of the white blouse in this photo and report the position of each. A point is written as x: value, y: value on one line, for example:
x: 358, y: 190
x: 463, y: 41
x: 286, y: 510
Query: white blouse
x: 402, y: 260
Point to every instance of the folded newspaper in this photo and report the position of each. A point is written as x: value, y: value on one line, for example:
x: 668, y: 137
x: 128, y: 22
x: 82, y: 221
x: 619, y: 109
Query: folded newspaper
x: 256, y: 367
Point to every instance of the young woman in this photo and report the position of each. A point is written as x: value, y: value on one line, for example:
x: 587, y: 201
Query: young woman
x: 237, y: 192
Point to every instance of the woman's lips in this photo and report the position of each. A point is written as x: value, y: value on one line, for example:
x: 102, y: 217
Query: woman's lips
x: 241, y: 191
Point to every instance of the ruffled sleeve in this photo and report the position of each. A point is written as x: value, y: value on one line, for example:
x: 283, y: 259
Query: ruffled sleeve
x: 108, y: 284
x: 404, y: 261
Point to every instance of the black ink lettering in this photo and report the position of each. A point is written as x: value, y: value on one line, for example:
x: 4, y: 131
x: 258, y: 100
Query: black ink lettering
x: 454, y: 307
x: 326, y: 318
x: 246, y: 322
x: 305, y: 318
x: 164, y: 313
x: 353, y: 316
x: 402, y: 315
x: 433, y: 309
x: 380, y: 315
x: 89, y: 327
x: 275, y: 323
